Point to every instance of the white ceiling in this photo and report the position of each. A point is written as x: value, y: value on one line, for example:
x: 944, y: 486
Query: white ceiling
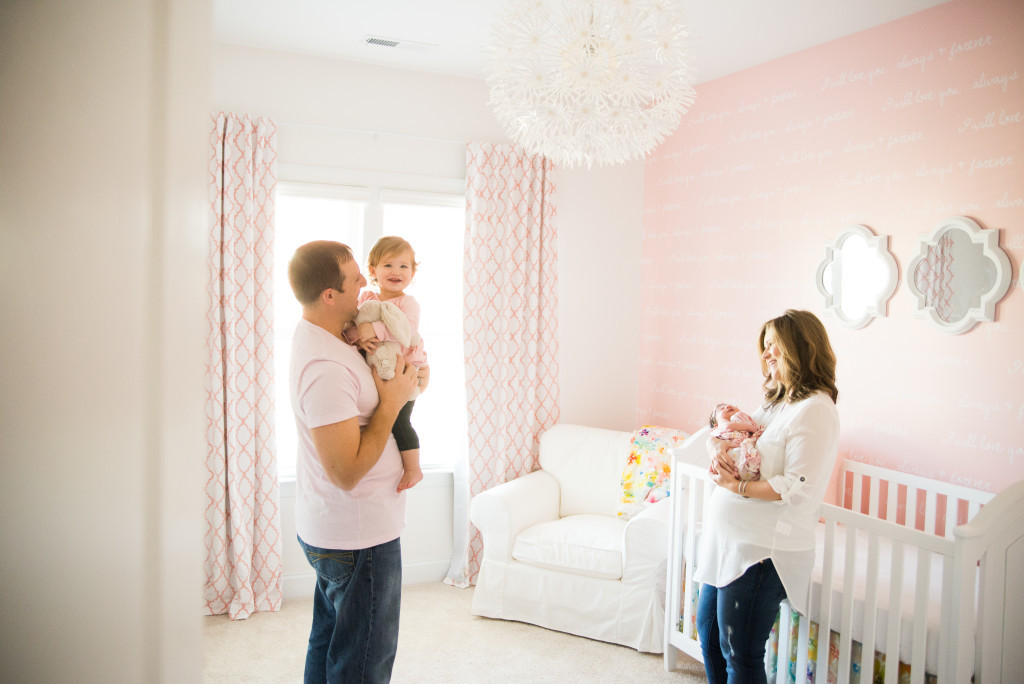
x: 729, y: 35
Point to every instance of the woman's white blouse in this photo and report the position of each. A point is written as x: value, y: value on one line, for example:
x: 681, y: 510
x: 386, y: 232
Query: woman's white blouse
x: 798, y: 451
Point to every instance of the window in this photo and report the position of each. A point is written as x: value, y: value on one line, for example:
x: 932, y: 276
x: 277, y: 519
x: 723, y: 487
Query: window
x: 434, y: 224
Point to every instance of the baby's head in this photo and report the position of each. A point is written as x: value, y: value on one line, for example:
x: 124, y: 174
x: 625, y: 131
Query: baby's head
x: 390, y: 247
x: 722, y: 414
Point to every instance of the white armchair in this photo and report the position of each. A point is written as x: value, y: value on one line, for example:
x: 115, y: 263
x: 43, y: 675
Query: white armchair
x: 556, y: 555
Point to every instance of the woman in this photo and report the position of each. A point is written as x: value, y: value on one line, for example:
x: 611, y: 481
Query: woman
x: 757, y: 544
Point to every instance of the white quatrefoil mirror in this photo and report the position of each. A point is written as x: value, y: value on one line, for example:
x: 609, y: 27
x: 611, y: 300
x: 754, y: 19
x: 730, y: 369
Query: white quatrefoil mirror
x: 959, y: 275
x: 858, y: 276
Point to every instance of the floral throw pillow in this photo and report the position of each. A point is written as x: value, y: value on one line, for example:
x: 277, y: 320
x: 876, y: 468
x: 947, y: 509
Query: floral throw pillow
x: 645, y: 478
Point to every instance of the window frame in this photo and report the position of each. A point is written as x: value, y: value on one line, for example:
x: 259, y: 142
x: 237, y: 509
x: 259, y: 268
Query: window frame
x: 375, y: 188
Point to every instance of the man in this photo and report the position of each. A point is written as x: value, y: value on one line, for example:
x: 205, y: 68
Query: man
x: 348, y: 514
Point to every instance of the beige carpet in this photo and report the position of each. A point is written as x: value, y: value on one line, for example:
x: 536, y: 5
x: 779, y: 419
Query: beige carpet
x: 440, y: 641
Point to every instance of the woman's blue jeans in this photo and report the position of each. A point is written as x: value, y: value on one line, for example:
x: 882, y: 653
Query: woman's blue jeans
x: 734, y: 623
x: 354, y: 636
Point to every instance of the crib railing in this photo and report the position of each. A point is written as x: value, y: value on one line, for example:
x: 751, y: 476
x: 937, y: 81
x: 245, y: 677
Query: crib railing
x: 691, y: 488
x: 932, y: 506
x: 904, y: 524
x: 906, y: 549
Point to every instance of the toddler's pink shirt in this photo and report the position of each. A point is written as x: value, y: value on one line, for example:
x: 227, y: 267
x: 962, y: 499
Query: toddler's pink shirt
x: 417, y: 355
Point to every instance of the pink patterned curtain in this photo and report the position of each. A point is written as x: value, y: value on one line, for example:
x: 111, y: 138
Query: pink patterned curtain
x: 243, y: 528
x: 511, y: 328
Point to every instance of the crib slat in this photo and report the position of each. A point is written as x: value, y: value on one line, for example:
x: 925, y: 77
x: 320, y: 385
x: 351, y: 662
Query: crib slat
x: 825, y: 609
x: 846, y: 620
x: 803, y: 641
x: 892, y: 502
x: 892, y: 629
x: 931, y: 502
x: 857, y: 503
x: 920, y: 632
x: 689, y: 552
x: 673, y: 577
x: 867, y: 652
x: 874, y: 485
x: 944, y: 675
x: 952, y: 508
x: 910, y: 519
x: 782, y: 661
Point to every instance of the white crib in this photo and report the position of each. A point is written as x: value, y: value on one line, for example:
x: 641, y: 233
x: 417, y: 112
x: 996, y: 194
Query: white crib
x: 931, y: 571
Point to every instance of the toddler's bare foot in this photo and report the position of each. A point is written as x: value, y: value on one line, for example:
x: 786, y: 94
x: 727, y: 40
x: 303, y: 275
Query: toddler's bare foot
x: 410, y: 478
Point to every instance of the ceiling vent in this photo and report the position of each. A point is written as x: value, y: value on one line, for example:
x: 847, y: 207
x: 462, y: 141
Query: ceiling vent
x: 399, y: 43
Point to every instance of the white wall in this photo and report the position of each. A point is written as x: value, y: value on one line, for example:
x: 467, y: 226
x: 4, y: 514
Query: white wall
x: 355, y: 116
x: 336, y: 116
x: 600, y: 221
x: 102, y: 272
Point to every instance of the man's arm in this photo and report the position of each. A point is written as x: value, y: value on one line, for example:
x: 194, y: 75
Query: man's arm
x: 348, y: 453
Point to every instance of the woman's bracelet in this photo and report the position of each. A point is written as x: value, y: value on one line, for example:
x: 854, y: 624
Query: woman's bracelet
x: 742, y: 489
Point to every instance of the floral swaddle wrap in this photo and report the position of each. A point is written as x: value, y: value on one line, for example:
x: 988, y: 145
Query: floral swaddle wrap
x: 731, y: 424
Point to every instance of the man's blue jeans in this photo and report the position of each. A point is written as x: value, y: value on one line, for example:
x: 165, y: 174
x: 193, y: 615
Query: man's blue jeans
x: 734, y: 623
x: 354, y: 636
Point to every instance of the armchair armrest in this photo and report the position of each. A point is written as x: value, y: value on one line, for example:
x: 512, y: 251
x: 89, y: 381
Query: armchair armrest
x: 645, y: 546
x: 502, y: 512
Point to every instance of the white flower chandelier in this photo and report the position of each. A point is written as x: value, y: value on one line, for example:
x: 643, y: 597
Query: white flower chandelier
x: 590, y: 81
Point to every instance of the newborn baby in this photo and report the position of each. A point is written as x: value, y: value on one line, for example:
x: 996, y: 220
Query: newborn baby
x: 729, y: 423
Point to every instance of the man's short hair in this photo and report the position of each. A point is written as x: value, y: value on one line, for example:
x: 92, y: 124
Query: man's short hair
x: 315, y: 267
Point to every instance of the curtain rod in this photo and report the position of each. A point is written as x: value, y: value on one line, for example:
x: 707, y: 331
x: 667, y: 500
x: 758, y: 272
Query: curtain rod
x: 361, y: 130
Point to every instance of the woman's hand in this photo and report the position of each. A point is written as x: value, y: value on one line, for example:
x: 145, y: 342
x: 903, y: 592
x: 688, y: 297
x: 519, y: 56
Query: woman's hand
x: 723, y: 468
x: 723, y: 478
x: 721, y: 461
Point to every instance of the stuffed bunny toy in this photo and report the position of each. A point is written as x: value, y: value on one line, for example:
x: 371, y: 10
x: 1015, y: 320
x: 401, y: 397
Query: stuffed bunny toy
x: 384, y: 358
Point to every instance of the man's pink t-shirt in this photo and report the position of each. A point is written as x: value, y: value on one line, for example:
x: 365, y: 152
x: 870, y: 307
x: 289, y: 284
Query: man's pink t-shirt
x: 330, y: 382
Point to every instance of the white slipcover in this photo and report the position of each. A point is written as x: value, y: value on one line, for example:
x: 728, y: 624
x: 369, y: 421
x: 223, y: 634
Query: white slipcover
x: 556, y: 555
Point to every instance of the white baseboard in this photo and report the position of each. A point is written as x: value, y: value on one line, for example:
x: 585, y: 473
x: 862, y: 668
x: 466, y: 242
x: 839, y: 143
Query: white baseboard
x: 298, y: 584
x: 425, y: 571
x: 302, y: 584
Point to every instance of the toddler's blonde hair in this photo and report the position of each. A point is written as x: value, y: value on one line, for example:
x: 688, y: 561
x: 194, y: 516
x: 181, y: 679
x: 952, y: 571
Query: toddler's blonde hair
x: 390, y: 245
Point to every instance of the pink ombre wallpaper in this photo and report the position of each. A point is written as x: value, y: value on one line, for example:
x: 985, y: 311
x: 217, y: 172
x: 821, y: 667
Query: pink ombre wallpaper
x: 895, y: 128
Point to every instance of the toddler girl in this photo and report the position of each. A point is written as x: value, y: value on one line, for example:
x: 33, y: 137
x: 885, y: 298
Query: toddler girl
x: 731, y: 424
x: 392, y: 265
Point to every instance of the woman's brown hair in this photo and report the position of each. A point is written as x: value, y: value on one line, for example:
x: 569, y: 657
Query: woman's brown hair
x: 809, y: 364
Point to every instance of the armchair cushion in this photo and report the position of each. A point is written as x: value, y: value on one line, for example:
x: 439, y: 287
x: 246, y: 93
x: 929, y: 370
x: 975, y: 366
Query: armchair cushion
x: 504, y: 511
x: 582, y: 544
